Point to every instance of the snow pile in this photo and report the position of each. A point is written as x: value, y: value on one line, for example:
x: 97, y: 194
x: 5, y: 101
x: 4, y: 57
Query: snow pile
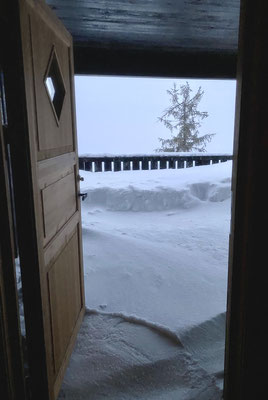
x: 157, y: 190
x: 155, y: 259
x: 119, y: 360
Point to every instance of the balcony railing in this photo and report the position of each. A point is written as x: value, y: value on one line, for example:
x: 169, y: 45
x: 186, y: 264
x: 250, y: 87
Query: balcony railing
x: 109, y: 162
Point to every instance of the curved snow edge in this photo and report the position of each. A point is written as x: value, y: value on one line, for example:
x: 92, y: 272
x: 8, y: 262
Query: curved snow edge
x: 139, y: 321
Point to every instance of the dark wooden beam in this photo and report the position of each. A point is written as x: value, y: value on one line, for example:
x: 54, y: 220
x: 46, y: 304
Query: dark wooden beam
x: 155, y: 63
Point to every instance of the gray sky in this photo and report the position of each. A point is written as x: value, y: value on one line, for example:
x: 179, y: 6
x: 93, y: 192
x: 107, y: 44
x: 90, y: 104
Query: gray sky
x: 120, y: 115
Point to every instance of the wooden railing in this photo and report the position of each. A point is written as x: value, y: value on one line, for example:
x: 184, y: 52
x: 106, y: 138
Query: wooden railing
x: 103, y: 163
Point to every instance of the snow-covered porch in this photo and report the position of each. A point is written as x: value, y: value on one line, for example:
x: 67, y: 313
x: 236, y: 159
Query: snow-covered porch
x: 155, y: 325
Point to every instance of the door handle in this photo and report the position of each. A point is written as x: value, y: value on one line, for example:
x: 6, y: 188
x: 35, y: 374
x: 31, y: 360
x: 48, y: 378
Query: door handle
x: 83, y: 195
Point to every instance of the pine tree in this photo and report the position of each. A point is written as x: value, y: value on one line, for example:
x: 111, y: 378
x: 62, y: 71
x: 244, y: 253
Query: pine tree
x: 184, y: 118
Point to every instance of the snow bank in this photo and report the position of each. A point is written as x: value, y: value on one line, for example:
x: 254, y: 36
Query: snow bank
x: 158, y: 190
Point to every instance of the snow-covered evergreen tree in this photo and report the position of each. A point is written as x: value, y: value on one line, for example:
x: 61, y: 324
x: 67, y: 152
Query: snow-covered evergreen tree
x: 184, y: 118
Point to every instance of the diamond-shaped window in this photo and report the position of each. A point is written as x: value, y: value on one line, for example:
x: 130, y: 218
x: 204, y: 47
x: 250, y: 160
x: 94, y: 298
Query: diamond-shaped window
x: 55, y: 85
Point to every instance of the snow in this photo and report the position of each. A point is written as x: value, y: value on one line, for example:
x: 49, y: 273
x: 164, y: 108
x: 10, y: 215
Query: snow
x: 155, y: 190
x: 155, y: 154
x: 155, y: 257
x: 117, y: 360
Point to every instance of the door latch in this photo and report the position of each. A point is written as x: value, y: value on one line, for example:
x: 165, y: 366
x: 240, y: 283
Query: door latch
x: 83, y: 195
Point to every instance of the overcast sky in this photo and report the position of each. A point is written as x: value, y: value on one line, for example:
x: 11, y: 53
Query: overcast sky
x: 120, y: 115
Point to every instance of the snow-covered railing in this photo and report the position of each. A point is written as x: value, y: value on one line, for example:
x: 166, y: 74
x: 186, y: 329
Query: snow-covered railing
x: 111, y: 162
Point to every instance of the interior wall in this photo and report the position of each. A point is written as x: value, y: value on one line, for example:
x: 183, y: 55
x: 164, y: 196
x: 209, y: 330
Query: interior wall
x: 246, y: 370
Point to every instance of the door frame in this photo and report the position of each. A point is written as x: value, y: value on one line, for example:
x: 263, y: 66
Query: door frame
x: 13, y: 70
x: 246, y: 331
x: 12, y: 377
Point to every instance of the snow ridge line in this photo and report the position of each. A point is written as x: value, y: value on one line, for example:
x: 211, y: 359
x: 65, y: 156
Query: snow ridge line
x: 185, y: 334
x: 216, y: 323
x: 139, y: 321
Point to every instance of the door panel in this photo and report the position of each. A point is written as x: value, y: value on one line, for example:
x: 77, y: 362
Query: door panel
x: 60, y: 192
x: 65, y: 297
x: 48, y: 74
x: 49, y: 47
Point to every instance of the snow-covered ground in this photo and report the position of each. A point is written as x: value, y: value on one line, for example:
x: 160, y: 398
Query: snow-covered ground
x: 155, y: 259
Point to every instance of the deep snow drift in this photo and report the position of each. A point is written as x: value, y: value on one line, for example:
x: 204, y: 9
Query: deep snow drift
x: 155, y: 256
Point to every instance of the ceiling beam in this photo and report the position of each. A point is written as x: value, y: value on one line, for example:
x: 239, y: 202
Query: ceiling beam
x: 154, y: 63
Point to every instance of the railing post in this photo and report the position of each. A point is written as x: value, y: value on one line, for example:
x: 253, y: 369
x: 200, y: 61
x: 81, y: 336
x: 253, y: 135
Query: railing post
x: 136, y: 164
x: 88, y: 166
x: 126, y: 165
x: 117, y: 165
x: 180, y: 163
x: 107, y: 165
x: 163, y: 163
x: 98, y: 166
x: 145, y: 164
x: 189, y: 163
x: 81, y: 164
x: 171, y: 163
x: 153, y: 164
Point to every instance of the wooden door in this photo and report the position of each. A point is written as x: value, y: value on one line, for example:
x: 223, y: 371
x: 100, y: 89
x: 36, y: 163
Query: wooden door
x: 53, y: 281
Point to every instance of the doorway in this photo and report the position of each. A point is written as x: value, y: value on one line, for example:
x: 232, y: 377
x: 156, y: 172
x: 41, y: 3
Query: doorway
x: 248, y: 245
x: 155, y: 245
